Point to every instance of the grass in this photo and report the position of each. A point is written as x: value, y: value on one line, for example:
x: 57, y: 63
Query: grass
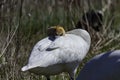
x: 33, y: 24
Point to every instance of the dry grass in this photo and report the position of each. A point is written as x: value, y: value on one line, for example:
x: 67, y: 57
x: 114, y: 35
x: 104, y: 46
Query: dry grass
x: 24, y: 23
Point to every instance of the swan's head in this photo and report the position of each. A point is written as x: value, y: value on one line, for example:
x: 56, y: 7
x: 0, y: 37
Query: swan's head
x: 56, y: 31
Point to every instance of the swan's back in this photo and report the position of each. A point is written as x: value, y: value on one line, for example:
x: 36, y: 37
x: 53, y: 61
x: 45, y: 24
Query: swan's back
x: 82, y: 33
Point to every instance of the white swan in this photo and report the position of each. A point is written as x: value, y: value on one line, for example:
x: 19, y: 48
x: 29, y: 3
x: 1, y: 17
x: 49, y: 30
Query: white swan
x: 61, y: 53
x: 105, y: 66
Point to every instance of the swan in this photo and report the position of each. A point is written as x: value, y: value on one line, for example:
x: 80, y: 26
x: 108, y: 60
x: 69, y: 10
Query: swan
x: 91, y: 19
x: 105, y: 66
x: 59, y: 52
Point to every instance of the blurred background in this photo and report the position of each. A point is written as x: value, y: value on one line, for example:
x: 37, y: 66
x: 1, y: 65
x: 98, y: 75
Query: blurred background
x: 24, y: 22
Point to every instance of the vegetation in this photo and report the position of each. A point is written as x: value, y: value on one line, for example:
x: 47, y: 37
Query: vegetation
x: 24, y: 22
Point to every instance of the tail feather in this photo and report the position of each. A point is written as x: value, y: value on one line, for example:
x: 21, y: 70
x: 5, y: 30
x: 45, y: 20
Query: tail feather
x: 25, y: 68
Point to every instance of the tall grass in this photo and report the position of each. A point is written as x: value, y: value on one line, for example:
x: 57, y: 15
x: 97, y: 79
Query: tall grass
x: 24, y: 22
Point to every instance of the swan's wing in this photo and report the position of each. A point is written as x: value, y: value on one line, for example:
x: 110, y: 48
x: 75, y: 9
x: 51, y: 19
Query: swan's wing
x: 46, y: 58
x: 39, y: 47
x: 42, y: 44
x: 63, y: 50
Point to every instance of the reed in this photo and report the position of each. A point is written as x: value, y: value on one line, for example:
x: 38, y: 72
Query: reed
x: 24, y: 22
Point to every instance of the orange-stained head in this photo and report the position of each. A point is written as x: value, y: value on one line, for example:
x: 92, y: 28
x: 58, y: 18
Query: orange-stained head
x: 56, y: 31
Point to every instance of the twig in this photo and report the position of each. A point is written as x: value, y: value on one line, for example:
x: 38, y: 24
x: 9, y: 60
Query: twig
x: 9, y: 42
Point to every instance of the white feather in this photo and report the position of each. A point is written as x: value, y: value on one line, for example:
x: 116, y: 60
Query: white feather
x: 58, y: 56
